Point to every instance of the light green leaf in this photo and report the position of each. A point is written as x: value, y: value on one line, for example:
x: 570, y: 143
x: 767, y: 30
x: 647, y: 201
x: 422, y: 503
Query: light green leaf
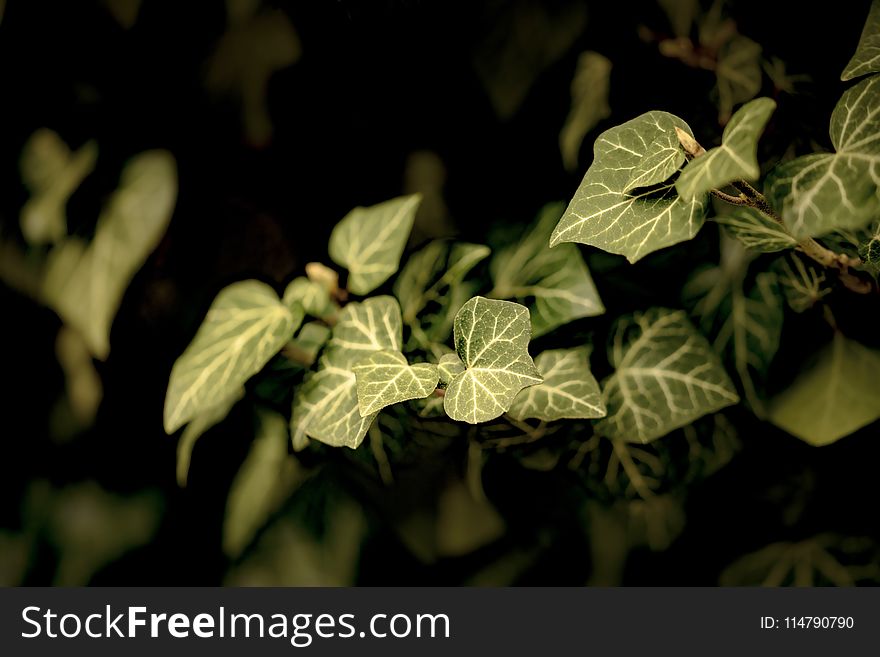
x: 267, y: 476
x: 245, y: 326
x: 738, y: 74
x: 556, y: 281
x: 867, y: 56
x: 589, y: 104
x: 385, y: 378
x: 196, y: 428
x: 434, y: 276
x: 819, y: 193
x: 568, y: 391
x: 312, y: 296
x: 369, y: 241
x: 666, y: 376
x: 449, y: 367
x: 52, y: 173
x: 756, y: 231
x: 869, y: 248
x: 608, y: 213
x: 745, y: 323
x: 88, y: 292
x: 802, y: 285
x: 326, y: 406
x: 312, y: 337
x: 491, y: 338
x: 735, y: 159
x: 834, y: 397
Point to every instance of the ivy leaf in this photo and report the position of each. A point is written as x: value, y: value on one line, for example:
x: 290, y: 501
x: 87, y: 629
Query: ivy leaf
x: 744, y: 322
x: 88, y: 288
x: 568, y: 391
x: 491, y: 338
x: 557, y: 279
x: 836, y: 396
x: 802, y: 285
x: 608, y: 213
x: 869, y: 248
x: 266, y: 477
x: 756, y: 231
x: 369, y: 241
x: 326, y: 406
x: 52, y: 172
x: 432, y: 277
x: 245, y: 326
x: 819, y: 193
x: 197, y: 428
x: 735, y: 159
x: 738, y: 74
x: 589, y: 104
x: 385, y: 378
x: 312, y: 337
x: 666, y: 376
x: 449, y: 367
x: 867, y: 56
x: 313, y: 297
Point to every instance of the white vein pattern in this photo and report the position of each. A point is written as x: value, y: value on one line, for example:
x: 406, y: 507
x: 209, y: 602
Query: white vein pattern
x: 626, y: 203
x: 735, y: 159
x: 818, y: 193
x: 569, y: 389
x: 245, y: 326
x: 491, y: 338
x: 385, y: 378
x: 369, y: 241
x: 666, y: 376
x: 755, y: 230
x: 867, y: 56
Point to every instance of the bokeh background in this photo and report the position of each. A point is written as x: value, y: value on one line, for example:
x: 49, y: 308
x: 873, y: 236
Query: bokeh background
x: 281, y: 117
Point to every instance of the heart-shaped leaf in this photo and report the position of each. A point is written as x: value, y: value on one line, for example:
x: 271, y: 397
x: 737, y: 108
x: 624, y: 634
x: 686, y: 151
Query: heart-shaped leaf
x: 385, y: 378
x: 867, y: 56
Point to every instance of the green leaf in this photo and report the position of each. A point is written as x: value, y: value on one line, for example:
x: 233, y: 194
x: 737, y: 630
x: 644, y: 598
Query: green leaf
x: 568, y: 391
x: 88, y: 289
x: 834, y: 397
x: 312, y: 337
x: 385, y: 378
x: 589, y: 104
x: 196, y: 428
x: 313, y: 297
x: 867, y: 56
x: 556, y: 280
x: 738, y: 74
x: 267, y: 476
x: 449, y: 367
x: 756, y: 231
x: 608, y: 213
x: 326, y: 406
x: 819, y: 193
x: 52, y: 173
x: 802, y: 285
x: 369, y: 241
x: 245, y: 326
x: 745, y: 322
x: 735, y: 159
x: 491, y: 338
x: 869, y: 248
x: 430, y: 286
x: 666, y: 376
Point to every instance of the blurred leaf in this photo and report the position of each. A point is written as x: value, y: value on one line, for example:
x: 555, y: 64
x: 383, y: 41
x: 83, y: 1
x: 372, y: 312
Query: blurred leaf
x: 464, y: 523
x: 755, y: 230
x: 124, y: 11
x: 326, y: 406
x: 816, y: 194
x: 803, y: 285
x: 255, y: 47
x: 557, y: 279
x: 491, y: 338
x: 666, y: 376
x: 312, y: 296
x: 385, y: 378
x: 369, y: 241
x: 82, y: 382
x: 589, y: 104
x: 267, y: 476
x: 867, y: 56
x: 568, y: 391
x: 835, y: 396
x: 85, y: 285
x: 603, y: 212
x: 52, y: 173
x: 245, y: 326
x: 199, y: 424
x: 681, y: 14
x: 739, y: 74
x: 736, y: 158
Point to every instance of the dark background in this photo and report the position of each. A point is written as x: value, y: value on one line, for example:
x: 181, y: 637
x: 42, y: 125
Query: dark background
x: 377, y: 80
